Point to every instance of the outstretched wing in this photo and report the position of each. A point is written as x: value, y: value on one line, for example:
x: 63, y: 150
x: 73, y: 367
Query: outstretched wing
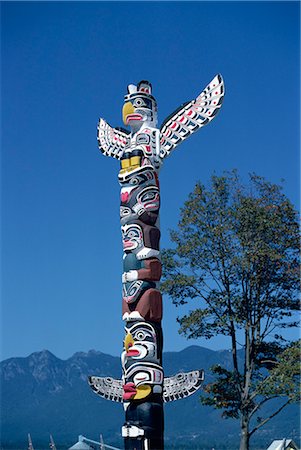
x: 107, y: 387
x: 174, y: 388
x: 182, y: 385
x: 111, y: 141
x: 191, y: 116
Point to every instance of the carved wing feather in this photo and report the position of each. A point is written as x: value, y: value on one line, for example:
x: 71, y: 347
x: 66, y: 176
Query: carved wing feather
x: 107, y: 387
x: 174, y: 388
x: 111, y: 141
x: 182, y: 385
x: 191, y: 116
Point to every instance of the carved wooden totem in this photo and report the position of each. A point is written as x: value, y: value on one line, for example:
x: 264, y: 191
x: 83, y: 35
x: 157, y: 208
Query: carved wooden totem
x: 141, y: 151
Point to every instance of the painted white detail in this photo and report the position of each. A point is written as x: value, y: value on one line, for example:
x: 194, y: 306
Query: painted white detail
x: 132, y: 275
x: 132, y: 316
x: 126, y: 405
x: 138, y: 208
x: 132, y: 88
x: 127, y: 189
x: 131, y: 431
x: 147, y: 252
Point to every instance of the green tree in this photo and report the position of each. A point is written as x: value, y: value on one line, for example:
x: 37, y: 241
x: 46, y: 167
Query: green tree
x: 236, y: 252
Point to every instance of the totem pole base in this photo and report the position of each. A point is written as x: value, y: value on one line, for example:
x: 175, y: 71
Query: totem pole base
x: 144, y: 426
x: 143, y: 444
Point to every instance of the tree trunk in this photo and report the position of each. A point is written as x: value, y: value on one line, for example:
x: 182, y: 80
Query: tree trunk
x: 244, y: 432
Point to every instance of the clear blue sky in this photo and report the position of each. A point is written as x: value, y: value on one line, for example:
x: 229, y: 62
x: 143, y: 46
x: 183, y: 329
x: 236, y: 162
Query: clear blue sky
x: 66, y: 64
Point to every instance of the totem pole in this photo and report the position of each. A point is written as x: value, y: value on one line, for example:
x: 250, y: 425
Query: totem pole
x: 141, y: 151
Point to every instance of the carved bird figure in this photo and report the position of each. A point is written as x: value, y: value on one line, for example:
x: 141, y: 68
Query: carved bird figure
x: 146, y: 144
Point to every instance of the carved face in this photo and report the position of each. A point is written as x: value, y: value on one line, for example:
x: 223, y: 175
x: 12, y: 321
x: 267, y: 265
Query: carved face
x: 149, y: 198
x: 141, y: 239
x: 141, y: 380
x: 132, y: 237
x: 140, y: 106
x: 140, y: 344
x: 140, y: 196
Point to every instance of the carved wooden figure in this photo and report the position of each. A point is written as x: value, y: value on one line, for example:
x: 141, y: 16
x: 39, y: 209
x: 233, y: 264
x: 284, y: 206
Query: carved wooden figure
x: 141, y: 151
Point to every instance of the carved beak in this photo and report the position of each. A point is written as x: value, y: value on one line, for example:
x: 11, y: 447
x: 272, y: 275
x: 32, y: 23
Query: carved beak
x: 128, y: 342
x: 132, y: 392
x: 127, y: 109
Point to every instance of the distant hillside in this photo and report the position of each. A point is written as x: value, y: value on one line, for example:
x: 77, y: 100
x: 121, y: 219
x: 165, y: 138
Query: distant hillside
x: 43, y: 394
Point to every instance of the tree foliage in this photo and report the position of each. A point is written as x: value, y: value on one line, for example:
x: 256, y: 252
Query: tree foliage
x: 237, y: 252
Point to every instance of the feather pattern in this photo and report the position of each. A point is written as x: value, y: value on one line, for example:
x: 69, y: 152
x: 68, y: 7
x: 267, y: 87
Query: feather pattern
x: 191, y: 116
x: 111, y: 141
x: 182, y: 385
x: 107, y: 387
x: 176, y: 387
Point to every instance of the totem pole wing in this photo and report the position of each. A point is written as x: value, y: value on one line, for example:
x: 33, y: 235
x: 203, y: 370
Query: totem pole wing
x: 191, y: 116
x: 182, y: 385
x: 111, y: 141
x: 107, y: 387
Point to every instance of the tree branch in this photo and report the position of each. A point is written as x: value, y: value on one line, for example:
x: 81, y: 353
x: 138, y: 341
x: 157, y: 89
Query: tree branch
x: 260, y: 404
x: 270, y: 417
x: 209, y: 305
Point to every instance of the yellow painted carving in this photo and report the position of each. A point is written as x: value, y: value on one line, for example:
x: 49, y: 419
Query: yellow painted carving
x: 127, y: 109
x: 125, y: 163
x: 135, y: 161
x: 142, y: 392
x: 128, y: 341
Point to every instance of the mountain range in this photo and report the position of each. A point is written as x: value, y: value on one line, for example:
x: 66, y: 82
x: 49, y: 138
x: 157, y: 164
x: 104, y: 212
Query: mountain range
x: 43, y: 394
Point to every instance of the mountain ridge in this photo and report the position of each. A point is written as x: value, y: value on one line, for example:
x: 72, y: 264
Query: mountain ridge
x: 44, y: 394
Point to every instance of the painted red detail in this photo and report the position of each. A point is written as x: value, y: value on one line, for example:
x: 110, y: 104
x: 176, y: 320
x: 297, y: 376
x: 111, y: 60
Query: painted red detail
x: 127, y: 244
x: 124, y: 197
x: 130, y: 117
x: 132, y: 352
x: 129, y: 391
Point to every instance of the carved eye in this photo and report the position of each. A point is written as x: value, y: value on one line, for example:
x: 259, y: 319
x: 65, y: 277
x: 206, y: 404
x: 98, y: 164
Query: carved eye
x: 148, y: 196
x: 140, y: 336
x: 139, y: 102
x: 141, y: 377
